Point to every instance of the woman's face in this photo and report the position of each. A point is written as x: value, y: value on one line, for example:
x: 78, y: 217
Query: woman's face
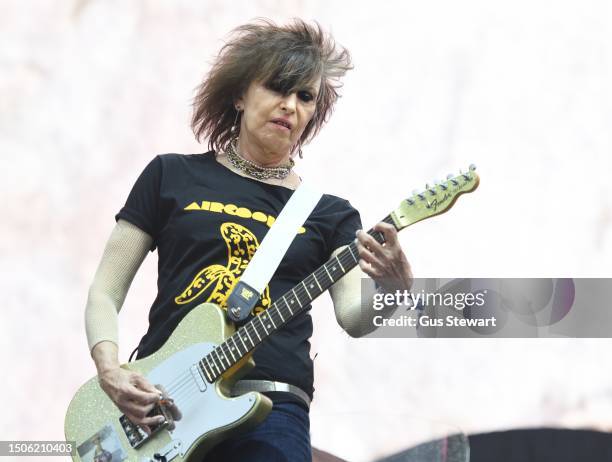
x: 272, y: 122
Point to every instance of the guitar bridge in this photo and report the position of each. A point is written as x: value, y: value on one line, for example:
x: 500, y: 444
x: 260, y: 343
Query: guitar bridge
x: 135, y: 434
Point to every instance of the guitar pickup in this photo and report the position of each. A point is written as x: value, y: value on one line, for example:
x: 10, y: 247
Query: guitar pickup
x: 136, y: 435
x: 198, y: 377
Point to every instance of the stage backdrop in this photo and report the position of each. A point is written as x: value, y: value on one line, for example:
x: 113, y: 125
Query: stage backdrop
x: 91, y: 90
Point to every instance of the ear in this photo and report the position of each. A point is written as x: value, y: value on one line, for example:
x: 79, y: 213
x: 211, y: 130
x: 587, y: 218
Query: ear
x: 239, y: 104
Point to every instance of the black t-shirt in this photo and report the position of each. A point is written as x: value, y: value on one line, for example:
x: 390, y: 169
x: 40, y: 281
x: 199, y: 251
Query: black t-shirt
x: 205, y: 221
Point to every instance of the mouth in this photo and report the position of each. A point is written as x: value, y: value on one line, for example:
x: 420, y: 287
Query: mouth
x: 283, y: 123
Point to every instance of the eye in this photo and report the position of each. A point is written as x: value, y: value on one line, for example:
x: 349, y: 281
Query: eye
x: 305, y: 96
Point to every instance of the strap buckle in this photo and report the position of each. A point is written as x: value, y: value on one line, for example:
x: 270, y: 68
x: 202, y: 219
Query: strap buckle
x: 244, y: 386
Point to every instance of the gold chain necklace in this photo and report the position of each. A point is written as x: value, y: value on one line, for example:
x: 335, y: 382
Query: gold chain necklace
x: 256, y: 171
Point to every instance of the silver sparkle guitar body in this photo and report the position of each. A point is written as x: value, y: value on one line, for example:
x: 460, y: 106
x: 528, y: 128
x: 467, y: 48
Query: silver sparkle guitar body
x: 209, y: 414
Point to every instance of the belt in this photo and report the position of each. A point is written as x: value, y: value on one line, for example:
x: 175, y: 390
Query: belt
x: 244, y: 386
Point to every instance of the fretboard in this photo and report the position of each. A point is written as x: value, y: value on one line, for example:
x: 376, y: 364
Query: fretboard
x: 255, y: 331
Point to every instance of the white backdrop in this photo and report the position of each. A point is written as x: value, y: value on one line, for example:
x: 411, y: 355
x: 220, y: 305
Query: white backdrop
x: 91, y: 90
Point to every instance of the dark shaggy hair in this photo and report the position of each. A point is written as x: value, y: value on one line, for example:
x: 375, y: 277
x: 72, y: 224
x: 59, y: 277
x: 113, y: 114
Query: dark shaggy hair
x: 287, y: 58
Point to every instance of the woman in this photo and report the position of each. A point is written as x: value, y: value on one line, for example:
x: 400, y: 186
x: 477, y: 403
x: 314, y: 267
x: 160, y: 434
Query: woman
x: 268, y: 94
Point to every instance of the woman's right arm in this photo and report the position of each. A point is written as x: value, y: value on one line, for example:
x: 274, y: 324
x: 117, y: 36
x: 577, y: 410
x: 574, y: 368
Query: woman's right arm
x: 130, y: 391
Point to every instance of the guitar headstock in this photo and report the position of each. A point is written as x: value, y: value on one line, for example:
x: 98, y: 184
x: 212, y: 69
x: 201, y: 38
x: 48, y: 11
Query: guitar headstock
x: 434, y: 199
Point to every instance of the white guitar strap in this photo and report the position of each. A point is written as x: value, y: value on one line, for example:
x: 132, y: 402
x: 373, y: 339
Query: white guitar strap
x: 271, y: 251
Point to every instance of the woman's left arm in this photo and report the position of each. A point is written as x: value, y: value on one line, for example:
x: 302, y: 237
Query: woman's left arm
x: 386, y: 264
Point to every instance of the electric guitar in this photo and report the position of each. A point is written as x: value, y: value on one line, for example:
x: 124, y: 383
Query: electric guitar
x: 206, y: 355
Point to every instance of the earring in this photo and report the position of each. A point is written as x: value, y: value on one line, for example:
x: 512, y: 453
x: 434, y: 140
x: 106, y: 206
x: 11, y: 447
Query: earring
x: 235, y: 128
x: 299, y: 149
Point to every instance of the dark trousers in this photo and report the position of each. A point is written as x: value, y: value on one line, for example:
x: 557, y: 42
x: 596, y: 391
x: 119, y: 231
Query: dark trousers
x: 283, y: 437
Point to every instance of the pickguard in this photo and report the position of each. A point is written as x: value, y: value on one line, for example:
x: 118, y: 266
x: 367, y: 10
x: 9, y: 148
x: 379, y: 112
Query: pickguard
x: 202, y: 411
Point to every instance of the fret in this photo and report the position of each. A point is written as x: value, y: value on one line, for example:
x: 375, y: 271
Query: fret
x: 249, y: 335
x: 229, y: 363
x: 269, y: 316
x: 255, y: 329
x: 264, y: 326
x: 354, y: 257
x: 279, y: 311
x: 245, y: 347
x: 297, y: 298
x: 312, y: 287
x: 378, y: 236
x: 343, y: 270
x: 315, y: 278
x: 212, y: 371
x: 206, y: 372
x: 306, y: 288
x: 328, y: 275
x: 218, y: 357
x: 215, y: 364
x: 230, y: 350
x: 236, y: 345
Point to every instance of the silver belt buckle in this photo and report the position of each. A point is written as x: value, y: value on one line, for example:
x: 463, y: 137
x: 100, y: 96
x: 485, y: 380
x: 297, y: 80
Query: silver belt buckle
x: 244, y: 386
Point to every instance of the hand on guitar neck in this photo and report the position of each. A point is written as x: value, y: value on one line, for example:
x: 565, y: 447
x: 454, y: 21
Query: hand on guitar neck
x: 131, y: 391
x: 386, y: 263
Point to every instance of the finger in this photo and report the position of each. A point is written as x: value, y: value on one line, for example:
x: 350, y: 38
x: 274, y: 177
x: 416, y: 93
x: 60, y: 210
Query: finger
x: 376, y: 250
x: 366, y: 240
x: 146, y: 423
x: 141, y: 397
x: 138, y: 421
x: 170, y: 405
x: 369, y: 270
x: 175, y: 411
x: 153, y: 421
x: 136, y: 410
x: 370, y: 257
x: 142, y: 391
x: 142, y: 383
x: 388, y: 231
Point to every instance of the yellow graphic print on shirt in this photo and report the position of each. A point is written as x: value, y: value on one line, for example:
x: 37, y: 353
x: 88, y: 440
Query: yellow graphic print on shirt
x: 241, y: 246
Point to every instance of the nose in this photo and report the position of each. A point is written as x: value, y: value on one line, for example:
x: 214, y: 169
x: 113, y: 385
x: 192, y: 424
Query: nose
x: 289, y: 103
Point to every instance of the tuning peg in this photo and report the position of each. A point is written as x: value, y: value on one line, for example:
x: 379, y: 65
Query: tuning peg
x: 466, y: 177
x: 472, y: 167
x: 449, y: 176
x: 410, y: 201
x: 443, y: 186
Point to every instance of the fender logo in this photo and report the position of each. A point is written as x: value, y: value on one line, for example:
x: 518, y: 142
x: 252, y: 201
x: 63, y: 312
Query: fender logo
x: 435, y: 203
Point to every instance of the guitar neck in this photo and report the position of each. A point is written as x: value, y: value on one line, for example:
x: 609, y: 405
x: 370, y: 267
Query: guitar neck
x: 433, y: 200
x: 251, y: 334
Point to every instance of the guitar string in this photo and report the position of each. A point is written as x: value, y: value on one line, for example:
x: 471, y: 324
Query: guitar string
x: 176, y: 381
x: 176, y: 390
x: 182, y: 390
x: 183, y: 379
x: 346, y: 257
x: 300, y: 292
x: 182, y: 384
